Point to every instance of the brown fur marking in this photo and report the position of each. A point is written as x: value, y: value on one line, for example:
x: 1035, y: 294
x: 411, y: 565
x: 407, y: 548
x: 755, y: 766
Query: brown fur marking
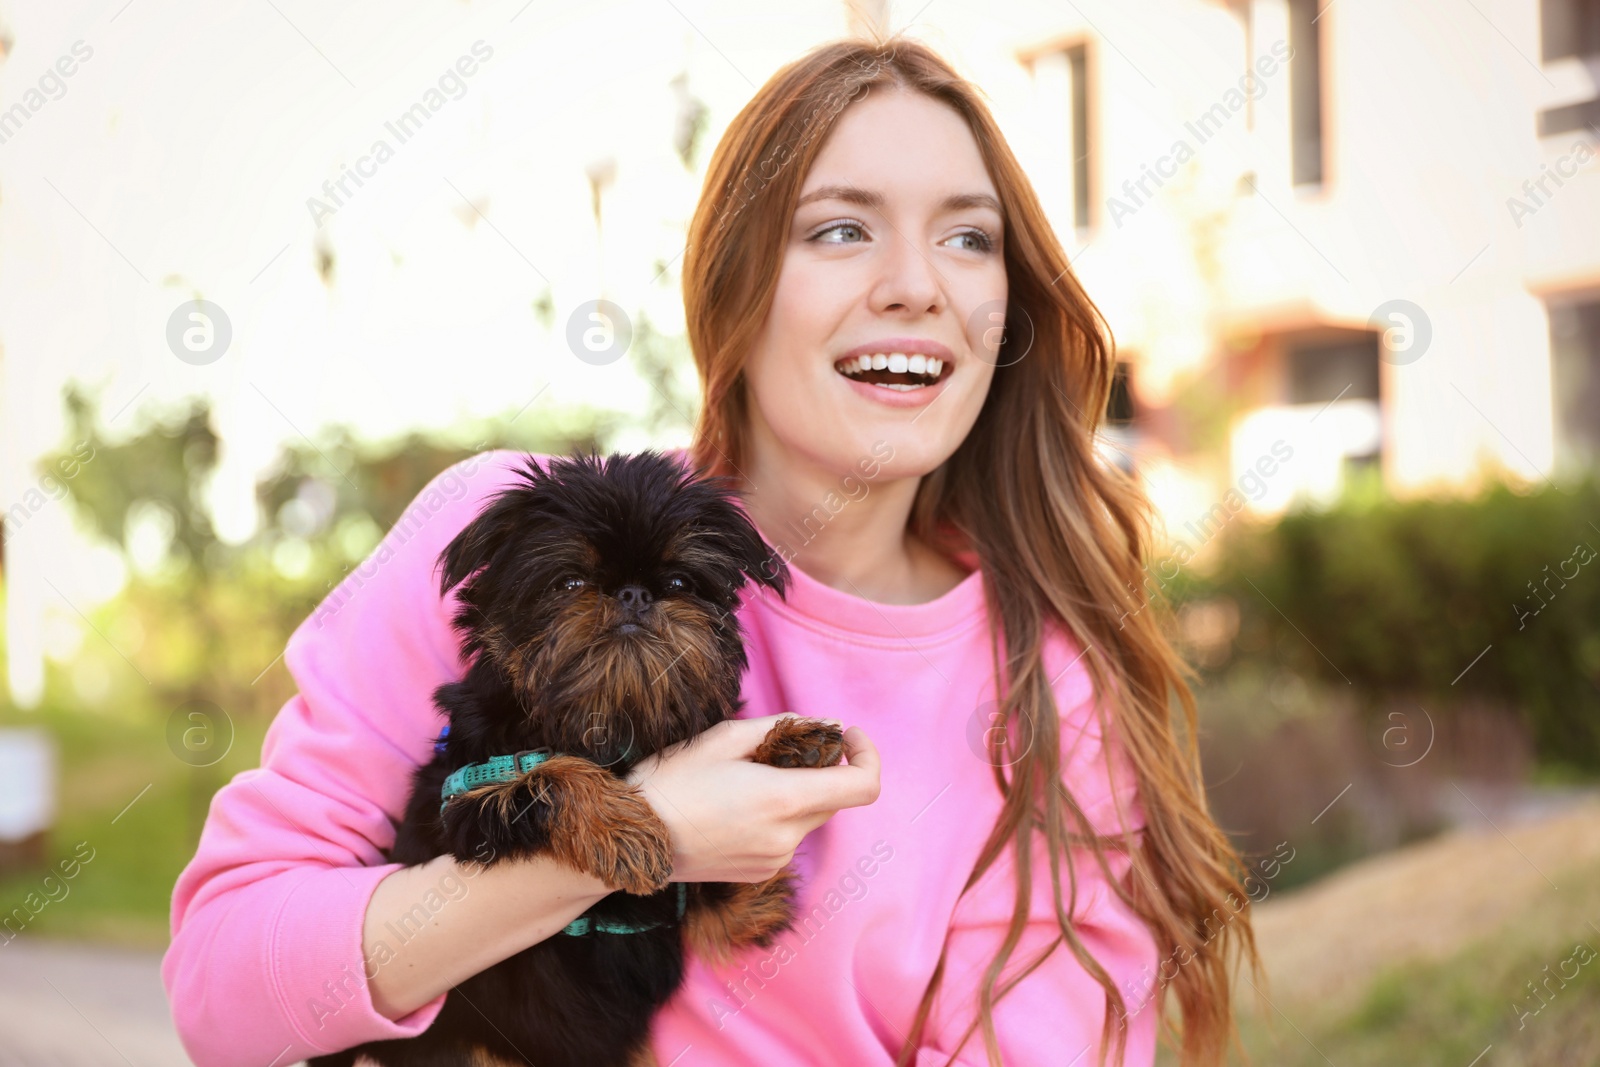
x: 677, y: 652
x: 755, y: 915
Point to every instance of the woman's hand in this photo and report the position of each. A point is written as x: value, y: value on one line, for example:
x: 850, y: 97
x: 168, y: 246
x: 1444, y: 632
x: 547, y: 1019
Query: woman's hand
x: 733, y: 820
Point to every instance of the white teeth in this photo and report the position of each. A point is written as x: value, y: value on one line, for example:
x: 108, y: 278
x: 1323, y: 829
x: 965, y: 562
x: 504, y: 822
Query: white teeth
x: 894, y: 363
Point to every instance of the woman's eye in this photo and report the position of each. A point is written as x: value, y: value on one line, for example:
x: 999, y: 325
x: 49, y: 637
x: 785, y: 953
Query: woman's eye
x: 854, y: 233
x: 982, y: 242
x: 573, y: 583
x: 821, y: 235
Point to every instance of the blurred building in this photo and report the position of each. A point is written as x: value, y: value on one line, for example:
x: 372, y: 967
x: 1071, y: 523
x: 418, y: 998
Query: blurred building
x: 1331, y: 235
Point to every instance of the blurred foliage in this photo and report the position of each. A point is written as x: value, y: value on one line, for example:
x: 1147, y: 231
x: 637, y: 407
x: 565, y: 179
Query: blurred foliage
x: 1401, y: 598
x: 165, y: 469
x: 203, y: 618
x: 666, y: 364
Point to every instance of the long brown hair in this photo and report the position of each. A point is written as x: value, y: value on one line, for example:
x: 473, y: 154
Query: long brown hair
x: 1025, y: 477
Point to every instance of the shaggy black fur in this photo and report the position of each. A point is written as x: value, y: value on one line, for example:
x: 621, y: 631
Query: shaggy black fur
x: 597, y: 615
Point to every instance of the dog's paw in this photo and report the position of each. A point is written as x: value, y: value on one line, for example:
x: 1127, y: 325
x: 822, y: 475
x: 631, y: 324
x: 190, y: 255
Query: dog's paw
x: 797, y: 742
x: 741, y: 915
x: 602, y: 825
x: 629, y: 847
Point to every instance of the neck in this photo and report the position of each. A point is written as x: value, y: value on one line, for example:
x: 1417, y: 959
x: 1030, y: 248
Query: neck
x: 838, y: 524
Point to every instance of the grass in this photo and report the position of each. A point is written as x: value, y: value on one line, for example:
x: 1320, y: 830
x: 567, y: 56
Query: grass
x: 140, y: 808
x: 1450, y: 1011
x: 123, y: 794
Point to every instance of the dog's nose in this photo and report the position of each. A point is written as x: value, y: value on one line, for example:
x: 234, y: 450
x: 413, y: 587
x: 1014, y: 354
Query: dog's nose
x: 635, y: 598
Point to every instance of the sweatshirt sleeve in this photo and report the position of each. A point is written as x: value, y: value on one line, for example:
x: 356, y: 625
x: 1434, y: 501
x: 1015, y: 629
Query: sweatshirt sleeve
x: 1054, y: 1014
x: 265, y: 964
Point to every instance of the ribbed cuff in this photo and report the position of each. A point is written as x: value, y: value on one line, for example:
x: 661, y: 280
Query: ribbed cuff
x: 318, y: 969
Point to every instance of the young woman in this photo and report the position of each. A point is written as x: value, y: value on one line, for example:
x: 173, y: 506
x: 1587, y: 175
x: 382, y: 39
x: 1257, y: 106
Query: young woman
x: 905, y: 378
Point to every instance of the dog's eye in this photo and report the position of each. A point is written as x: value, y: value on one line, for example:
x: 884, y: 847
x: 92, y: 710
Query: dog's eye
x: 573, y: 583
x: 676, y: 584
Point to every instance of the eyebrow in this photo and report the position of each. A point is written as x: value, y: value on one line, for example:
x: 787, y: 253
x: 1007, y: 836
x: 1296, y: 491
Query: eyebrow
x: 854, y: 194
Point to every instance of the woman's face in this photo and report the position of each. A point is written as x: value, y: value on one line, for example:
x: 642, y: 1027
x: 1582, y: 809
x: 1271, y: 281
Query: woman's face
x: 894, y: 253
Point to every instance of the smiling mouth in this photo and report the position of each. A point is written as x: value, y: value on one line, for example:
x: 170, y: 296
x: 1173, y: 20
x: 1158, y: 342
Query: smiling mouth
x: 896, y: 370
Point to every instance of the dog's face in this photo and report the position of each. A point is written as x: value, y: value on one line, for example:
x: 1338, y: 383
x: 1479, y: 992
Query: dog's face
x: 603, y: 588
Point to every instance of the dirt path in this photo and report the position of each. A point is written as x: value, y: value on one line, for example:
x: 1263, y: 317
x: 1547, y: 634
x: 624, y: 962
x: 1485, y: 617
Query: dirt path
x: 66, y: 1005
x: 1328, y: 940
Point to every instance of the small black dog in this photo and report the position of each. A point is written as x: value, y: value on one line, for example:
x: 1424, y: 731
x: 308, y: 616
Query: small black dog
x: 598, y: 604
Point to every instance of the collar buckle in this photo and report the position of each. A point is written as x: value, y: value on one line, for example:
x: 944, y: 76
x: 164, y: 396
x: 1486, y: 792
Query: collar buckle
x: 535, y: 756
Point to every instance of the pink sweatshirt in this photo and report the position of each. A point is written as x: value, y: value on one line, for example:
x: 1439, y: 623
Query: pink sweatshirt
x: 266, y: 967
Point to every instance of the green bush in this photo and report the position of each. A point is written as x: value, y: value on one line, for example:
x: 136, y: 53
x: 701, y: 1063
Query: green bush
x: 1493, y: 599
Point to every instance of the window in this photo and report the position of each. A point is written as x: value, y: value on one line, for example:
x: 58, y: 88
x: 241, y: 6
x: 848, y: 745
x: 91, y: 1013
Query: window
x: 1060, y: 74
x: 1078, y: 73
x: 1305, y: 92
x: 1569, y: 31
x: 1344, y: 370
x: 1575, y: 378
x: 1119, y: 408
x: 1118, y: 439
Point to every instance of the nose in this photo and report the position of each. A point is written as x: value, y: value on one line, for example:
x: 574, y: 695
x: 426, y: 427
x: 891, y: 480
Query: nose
x: 634, y: 598
x: 908, y: 281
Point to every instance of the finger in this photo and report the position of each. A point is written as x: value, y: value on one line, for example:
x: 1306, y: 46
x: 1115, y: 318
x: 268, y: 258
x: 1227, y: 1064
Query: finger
x: 827, y: 789
x: 740, y: 738
x: 859, y: 751
x: 728, y: 739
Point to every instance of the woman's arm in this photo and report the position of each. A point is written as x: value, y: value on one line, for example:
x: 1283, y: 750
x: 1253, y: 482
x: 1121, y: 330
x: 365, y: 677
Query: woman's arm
x: 290, y: 935
x: 482, y: 916
x: 268, y: 961
x: 731, y: 820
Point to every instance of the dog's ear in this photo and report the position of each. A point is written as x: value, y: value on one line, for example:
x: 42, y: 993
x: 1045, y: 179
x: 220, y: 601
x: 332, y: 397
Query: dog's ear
x: 512, y: 510
x: 762, y: 563
x: 734, y: 532
x: 744, y: 546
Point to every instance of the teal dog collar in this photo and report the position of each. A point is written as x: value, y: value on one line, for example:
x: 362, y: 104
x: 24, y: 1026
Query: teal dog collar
x: 498, y: 769
x: 493, y: 770
x: 583, y: 924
